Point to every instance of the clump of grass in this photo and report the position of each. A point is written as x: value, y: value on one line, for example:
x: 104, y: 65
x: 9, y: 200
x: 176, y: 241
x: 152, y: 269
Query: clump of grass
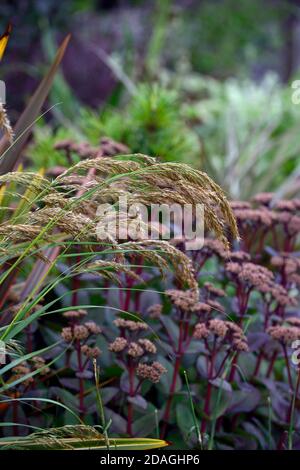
x: 44, y: 222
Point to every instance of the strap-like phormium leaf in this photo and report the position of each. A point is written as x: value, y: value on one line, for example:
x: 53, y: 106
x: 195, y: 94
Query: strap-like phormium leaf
x: 11, y: 153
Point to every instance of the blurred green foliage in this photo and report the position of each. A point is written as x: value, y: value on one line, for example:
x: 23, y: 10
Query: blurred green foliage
x: 234, y: 128
x: 150, y: 123
x: 249, y: 131
x: 227, y: 37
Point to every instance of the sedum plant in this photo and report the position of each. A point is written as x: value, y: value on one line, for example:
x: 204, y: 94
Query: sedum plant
x: 202, y: 357
x: 49, y: 248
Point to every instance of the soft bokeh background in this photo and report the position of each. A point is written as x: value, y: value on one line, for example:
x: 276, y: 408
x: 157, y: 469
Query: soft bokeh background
x: 206, y: 82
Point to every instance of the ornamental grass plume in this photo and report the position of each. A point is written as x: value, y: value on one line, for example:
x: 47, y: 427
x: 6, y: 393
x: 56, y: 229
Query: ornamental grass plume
x: 62, y: 213
x: 56, y: 211
x: 146, y: 175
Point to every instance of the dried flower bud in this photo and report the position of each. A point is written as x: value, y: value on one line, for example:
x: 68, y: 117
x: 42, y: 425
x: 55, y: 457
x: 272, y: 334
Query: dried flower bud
x: 214, y: 290
x: 263, y: 198
x: 65, y: 144
x: 240, y: 345
x: 215, y: 305
x: 90, y: 352
x: 235, y: 329
x: 151, y: 372
x: 135, y: 350
x: 67, y: 334
x: 281, y: 295
x: 294, y: 225
x: 238, y: 339
x: 20, y: 371
x: 239, y: 256
x: 262, y: 216
x: 295, y: 279
x: 118, y: 345
x: 284, y: 334
x: 218, y: 327
x: 148, y: 345
x: 200, y: 331
x: 201, y: 307
x: 215, y: 247
x: 295, y: 321
x: 80, y: 332
x: 130, y: 325
x: 75, y: 314
x: 39, y: 363
x: 233, y: 268
x: 240, y: 205
x: 92, y: 327
x: 155, y: 311
x: 285, y: 205
x: 183, y: 299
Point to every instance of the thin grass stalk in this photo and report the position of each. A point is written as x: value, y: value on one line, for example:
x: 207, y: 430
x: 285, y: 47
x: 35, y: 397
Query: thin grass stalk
x: 214, y: 420
x: 197, y: 429
x: 100, y: 403
x: 292, y: 412
x: 156, y: 423
x: 179, y: 353
x: 269, y: 422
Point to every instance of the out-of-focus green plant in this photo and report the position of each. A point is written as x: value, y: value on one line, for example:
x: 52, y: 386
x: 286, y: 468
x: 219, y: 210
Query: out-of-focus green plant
x: 249, y: 131
x: 236, y: 130
x: 150, y: 123
x: 42, y: 151
x: 225, y: 38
